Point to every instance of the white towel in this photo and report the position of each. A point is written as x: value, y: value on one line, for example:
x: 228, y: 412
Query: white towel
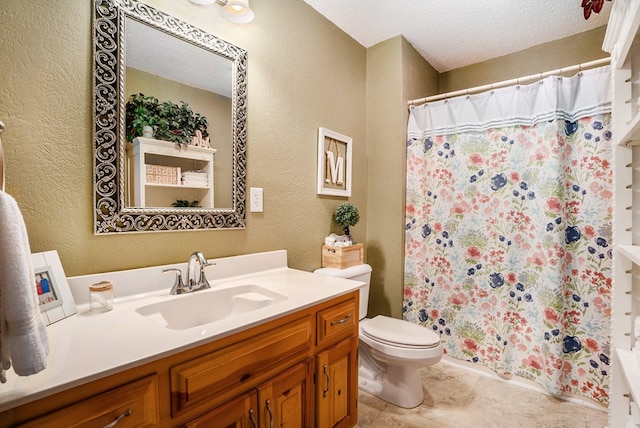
x: 23, y: 335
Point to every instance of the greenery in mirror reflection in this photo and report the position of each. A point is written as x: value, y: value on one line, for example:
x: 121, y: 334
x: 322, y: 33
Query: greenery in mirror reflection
x: 183, y: 203
x: 170, y: 122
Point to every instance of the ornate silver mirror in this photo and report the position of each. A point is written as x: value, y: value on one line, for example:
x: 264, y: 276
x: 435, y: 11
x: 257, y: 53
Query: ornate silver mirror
x: 148, y: 182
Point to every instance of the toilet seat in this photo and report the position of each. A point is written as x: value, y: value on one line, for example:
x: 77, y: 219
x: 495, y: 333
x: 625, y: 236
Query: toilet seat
x: 399, y: 333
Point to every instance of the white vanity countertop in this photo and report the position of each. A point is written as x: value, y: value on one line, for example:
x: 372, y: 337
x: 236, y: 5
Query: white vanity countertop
x: 86, y: 347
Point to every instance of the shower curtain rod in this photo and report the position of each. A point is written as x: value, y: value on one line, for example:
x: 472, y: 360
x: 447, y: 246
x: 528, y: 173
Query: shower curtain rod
x: 519, y: 80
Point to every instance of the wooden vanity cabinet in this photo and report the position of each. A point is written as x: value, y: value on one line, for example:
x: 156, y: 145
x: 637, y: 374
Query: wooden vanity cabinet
x: 298, y: 370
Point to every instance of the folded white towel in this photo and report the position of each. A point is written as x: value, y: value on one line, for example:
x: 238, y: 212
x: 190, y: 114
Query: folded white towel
x: 23, y: 335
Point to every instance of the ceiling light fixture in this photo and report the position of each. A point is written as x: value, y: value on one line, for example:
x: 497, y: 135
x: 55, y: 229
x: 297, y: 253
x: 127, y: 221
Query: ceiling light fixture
x: 237, y: 11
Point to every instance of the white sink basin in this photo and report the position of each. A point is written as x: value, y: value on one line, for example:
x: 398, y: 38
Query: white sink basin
x: 204, y: 307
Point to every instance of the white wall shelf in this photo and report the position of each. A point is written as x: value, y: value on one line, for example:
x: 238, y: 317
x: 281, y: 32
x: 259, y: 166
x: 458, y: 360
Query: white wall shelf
x: 178, y: 186
x: 632, y: 252
x: 631, y: 136
x: 631, y: 372
x: 157, y: 152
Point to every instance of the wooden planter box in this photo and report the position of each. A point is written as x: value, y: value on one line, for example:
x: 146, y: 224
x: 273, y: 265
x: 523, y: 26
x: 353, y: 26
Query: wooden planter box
x: 342, y: 257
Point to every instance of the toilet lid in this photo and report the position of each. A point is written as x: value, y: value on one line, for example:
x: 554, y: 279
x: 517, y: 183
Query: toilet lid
x: 399, y: 332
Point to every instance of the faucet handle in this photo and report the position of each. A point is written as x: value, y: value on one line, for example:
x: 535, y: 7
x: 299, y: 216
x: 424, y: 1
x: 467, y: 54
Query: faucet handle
x: 203, y: 283
x: 178, y: 285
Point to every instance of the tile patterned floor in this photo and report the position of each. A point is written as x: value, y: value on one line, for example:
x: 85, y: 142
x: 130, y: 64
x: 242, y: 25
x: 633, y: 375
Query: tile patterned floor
x: 459, y: 398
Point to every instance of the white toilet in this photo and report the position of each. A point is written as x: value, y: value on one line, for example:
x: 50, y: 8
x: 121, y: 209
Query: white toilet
x: 391, y: 350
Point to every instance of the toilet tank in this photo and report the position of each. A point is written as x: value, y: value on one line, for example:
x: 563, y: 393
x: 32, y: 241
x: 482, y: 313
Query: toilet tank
x: 357, y: 273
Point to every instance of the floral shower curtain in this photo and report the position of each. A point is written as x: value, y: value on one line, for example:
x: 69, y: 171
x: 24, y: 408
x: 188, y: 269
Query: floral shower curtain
x: 508, y: 229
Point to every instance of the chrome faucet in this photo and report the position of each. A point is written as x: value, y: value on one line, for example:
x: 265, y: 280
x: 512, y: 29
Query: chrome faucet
x: 201, y: 281
x: 195, y: 277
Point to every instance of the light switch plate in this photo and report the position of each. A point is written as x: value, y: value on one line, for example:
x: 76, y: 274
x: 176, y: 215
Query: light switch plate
x: 255, y: 205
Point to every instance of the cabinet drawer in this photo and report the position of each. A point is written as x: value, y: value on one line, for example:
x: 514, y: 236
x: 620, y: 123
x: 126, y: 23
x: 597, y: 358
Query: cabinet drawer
x: 234, y: 368
x: 137, y: 400
x: 337, y: 322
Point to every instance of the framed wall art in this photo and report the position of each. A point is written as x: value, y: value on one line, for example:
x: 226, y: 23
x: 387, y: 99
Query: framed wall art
x: 334, y: 163
x: 54, y: 295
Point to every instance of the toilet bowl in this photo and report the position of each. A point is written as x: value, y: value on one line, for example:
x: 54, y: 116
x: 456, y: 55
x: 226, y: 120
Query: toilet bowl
x: 391, y: 351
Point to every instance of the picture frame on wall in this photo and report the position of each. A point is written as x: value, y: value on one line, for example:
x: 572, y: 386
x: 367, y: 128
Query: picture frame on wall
x: 335, y: 154
x: 54, y: 295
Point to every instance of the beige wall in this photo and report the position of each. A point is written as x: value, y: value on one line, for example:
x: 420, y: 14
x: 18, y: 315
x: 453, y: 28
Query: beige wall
x: 302, y: 74
x: 581, y: 48
x: 395, y: 72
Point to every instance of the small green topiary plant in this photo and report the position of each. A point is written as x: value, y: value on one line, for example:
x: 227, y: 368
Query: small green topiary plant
x: 346, y: 215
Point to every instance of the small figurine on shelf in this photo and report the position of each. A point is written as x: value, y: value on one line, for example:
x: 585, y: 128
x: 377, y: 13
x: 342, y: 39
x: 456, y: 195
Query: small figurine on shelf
x: 199, y: 141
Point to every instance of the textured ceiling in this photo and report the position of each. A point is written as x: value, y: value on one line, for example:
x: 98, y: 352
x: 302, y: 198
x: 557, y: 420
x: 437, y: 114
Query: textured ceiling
x: 453, y: 33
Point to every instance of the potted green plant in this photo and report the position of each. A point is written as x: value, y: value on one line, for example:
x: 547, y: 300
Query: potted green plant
x: 177, y: 123
x: 141, y: 111
x: 346, y: 215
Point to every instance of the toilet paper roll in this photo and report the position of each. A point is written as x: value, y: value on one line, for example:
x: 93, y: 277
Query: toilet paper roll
x: 329, y: 240
x: 636, y: 327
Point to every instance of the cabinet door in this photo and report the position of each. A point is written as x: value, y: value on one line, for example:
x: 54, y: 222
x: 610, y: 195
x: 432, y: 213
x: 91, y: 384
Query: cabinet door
x: 285, y: 400
x: 337, y: 385
x: 241, y: 412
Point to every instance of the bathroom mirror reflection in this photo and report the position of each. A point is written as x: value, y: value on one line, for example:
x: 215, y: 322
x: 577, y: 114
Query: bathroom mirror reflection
x: 151, y: 183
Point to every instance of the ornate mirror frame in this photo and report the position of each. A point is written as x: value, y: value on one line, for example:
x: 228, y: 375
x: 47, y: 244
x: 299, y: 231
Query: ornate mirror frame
x: 109, y: 148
